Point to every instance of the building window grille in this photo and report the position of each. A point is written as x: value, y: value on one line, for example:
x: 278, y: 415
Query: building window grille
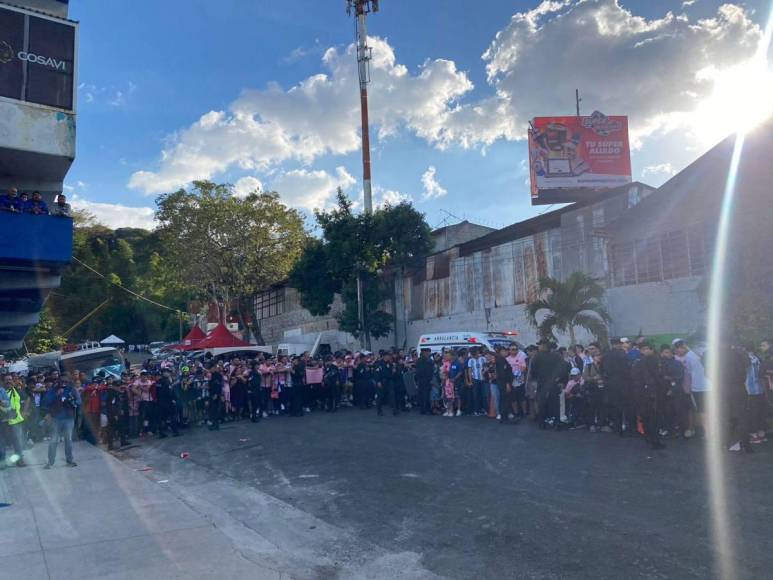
x: 270, y: 303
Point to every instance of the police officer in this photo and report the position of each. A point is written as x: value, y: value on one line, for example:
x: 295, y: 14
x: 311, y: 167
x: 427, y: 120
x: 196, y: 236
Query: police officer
x: 298, y: 377
x: 166, y: 404
x: 650, y: 391
x: 387, y: 385
x: 253, y: 393
x: 117, y: 408
x: 424, y: 370
x: 215, y: 397
x: 363, y: 378
x: 331, y: 380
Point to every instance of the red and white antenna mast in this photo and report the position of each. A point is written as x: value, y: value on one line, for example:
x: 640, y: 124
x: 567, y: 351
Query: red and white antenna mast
x: 360, y: 9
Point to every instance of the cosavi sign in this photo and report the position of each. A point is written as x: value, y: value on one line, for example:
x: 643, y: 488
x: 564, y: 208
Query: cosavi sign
x: 37, y: 58
x: 43, y: 60
x: 7, y: 54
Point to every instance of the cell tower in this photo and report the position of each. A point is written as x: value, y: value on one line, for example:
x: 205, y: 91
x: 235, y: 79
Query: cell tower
x: 360, y: 9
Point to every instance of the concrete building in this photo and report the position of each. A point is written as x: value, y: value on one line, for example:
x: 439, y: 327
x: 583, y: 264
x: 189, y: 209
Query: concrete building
x: 38, y: 80
x: 651, y: 248
x: 283, y: 320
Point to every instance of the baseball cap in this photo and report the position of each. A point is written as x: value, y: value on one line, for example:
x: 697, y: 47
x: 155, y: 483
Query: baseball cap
x: 575, y: 371
x: 624, y: 339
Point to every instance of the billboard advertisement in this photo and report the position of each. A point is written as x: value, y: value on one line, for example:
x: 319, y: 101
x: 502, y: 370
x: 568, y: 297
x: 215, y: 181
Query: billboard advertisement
x: 37, y: 58
x: 570, y: 155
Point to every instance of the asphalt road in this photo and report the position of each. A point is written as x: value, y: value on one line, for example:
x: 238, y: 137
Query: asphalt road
x: 475, y: 499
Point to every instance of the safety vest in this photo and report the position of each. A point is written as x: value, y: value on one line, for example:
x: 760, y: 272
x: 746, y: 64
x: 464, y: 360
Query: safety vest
x: 15, y: 406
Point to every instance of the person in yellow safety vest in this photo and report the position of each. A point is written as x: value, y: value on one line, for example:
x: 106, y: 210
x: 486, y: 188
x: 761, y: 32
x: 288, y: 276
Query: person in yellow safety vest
x: 15, y: 422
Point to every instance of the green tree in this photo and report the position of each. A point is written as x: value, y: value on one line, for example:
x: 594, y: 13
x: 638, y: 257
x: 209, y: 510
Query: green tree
x: 229, y: 247
x: 563, y: 306
x: 358, y: 245
x: 43, y: 336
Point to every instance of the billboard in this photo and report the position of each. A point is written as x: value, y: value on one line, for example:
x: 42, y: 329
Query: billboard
x: 570, y: 155
x: 37, y: 58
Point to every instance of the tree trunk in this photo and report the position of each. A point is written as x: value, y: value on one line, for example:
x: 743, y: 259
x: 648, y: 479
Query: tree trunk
x: 572, y: 339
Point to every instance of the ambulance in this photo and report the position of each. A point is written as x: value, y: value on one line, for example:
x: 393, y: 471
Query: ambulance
x: 443, y: 341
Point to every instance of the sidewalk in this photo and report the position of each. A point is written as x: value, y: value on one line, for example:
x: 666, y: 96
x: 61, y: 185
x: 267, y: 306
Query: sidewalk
x: 102, y: 519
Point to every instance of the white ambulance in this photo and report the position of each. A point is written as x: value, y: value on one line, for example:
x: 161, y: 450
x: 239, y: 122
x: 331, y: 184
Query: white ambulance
x: 442, y: 341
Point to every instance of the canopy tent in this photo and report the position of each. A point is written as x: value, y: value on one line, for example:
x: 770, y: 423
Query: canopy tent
x: 191, y: 340
x: 220, y: 337
x: 111, y: 340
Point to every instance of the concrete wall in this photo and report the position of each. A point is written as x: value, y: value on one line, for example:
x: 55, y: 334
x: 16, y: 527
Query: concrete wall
x: 34, y: 128
x: 453, y: 235
x: 298, y: 326
x: 671, y: 307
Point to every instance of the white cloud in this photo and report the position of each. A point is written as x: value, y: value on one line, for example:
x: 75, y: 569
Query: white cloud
x: 658, y: 71
x: 659, y: 169
x: 382, y: 197
x: 310, y: 189
x: 117, y: 97
x: 115, y: 215
x: 318, y: 116
x: 432, y: 189
x: 247, y: 185
x: 648, y: 69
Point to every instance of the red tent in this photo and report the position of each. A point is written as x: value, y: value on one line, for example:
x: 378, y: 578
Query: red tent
x: 191, y: 340
x: 219, y: 337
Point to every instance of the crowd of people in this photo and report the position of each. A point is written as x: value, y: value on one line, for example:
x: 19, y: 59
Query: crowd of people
x: 632, y: 388
x: 14, y: 202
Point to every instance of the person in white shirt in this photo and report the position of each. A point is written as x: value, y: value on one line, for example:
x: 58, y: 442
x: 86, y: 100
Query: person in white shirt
x: 695, y: 383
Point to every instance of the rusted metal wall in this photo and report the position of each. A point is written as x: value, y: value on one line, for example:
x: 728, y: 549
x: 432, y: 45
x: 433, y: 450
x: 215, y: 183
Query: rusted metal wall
x: 500, y: 276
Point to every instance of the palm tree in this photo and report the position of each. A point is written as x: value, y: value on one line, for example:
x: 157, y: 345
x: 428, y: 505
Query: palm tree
x: 576, y: 302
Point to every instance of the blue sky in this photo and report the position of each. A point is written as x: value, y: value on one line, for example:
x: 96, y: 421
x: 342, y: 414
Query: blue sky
x: 237, y: 91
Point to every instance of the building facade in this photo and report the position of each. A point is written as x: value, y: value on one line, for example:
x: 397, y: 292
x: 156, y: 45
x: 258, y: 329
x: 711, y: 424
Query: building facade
x: 650, y: 248
x: 38, y: 82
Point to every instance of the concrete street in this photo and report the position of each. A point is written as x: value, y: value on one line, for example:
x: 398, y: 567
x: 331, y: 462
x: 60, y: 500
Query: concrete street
x: 468, y: 498
x: 354, y: 495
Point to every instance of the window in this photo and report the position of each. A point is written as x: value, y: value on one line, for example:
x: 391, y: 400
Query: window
x: 697, y: 250
x: 676, y: 259
x: 677, y: 254
x: 268, y: 304
x: 623, y: 264
x: 648, y: 260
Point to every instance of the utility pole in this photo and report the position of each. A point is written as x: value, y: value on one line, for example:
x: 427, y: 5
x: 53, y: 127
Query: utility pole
x: 577, y: 100
x: 360, y: 9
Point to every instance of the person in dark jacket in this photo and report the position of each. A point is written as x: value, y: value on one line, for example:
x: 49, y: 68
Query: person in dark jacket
x: 298, y: 376
x: 545, y: 368
x: 387, y: 384
x: 616, y: 370
x: 166, y: 405
x: 253, y: 394
x: 59, y: 405
x: 650, y: 389
x: 424, y: 371
x: 215, y: 397
x: 363, y: 383
x: 331, y: 382
x: 677, y: 402
x: 117, y: 410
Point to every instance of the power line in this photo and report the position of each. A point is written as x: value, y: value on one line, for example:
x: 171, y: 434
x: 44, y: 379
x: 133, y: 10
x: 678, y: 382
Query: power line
x: 125, y: 289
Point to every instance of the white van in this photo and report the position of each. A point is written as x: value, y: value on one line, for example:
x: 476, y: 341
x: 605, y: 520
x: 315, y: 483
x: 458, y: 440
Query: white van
x: 455, y: 340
